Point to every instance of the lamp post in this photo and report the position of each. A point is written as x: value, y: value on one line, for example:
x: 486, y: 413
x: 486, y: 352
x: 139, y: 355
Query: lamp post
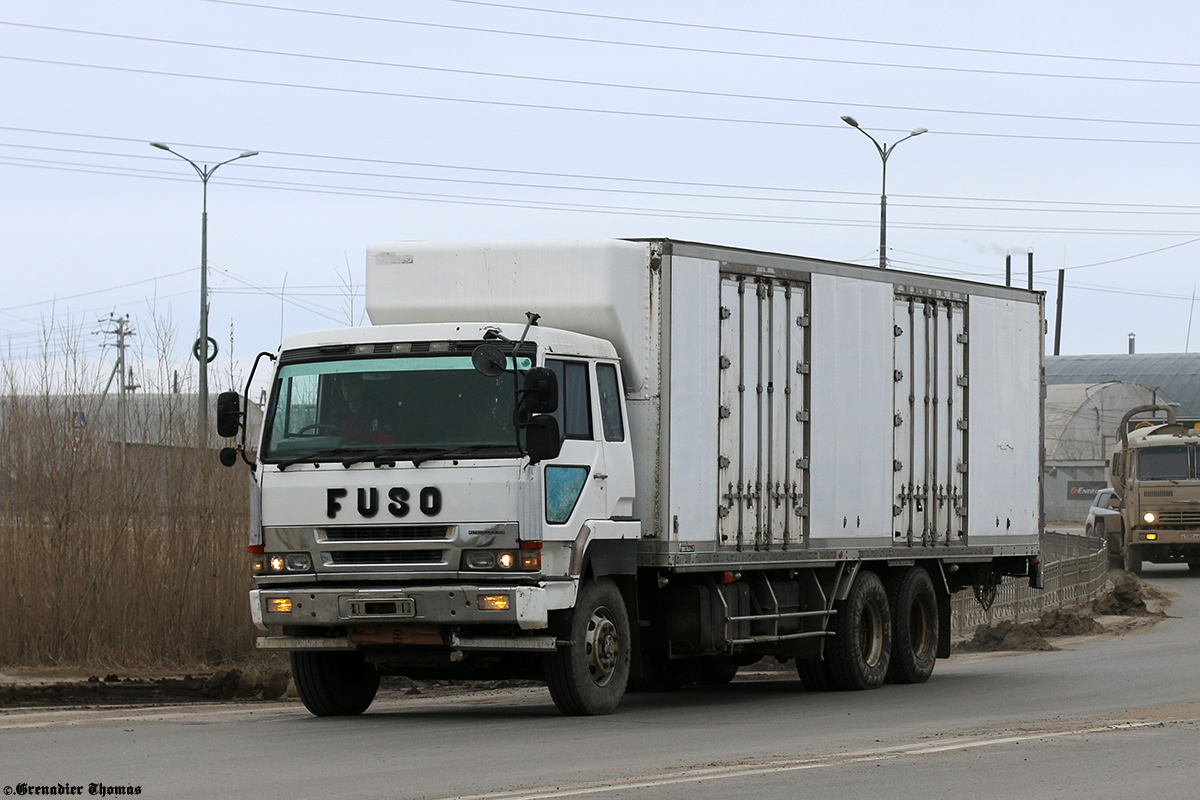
x: 200, y: 349
x: 884, y: 152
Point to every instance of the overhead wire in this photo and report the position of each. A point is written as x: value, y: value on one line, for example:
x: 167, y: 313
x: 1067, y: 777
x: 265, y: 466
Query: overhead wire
x: 811, y: 59
x: 617, y: 111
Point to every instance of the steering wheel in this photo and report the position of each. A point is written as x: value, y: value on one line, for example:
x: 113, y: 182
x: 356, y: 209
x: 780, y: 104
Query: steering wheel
x: 321, y: 426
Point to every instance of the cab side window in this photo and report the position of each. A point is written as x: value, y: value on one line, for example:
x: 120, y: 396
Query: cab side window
x: 610, y: 402
x: 574, y: 413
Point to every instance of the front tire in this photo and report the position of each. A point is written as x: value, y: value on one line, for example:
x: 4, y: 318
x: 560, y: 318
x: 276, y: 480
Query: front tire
x: 861, y: 647
x: 334, y: 684
x: 588, y: 678
x: 914, y: 625
x: 1133, y: 560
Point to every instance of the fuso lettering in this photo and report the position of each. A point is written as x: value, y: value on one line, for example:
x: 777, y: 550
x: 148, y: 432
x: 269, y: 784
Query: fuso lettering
x: 367, y: 501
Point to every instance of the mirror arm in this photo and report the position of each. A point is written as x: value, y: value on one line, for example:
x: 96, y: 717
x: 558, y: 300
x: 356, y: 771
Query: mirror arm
x: 244, y: 414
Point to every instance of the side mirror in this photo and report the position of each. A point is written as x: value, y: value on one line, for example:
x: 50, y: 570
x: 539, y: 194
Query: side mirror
x: 541, y: 391
x: 229, y: 414
x: 542, y: 439
x: 228, y: 456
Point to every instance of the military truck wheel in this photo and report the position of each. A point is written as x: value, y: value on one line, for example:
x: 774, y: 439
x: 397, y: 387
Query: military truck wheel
x: 914, y: 625
x: 588, y: 677
x: 1194, y: 566
x: 334, y: 684
x: 815, y: 675
x: 861, y: 647
x: 1133, y: 560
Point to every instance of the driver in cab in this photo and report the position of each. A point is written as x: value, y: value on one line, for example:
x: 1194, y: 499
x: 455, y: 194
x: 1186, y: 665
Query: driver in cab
x: 356, y: 417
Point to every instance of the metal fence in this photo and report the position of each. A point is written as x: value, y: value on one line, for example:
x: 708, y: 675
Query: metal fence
x: 1073, y: 572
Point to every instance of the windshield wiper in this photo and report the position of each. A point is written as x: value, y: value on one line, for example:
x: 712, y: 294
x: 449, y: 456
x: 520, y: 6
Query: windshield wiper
x: 418, y: 455
x: 387, y: 455
x: 311, y: 457
x: 454, y: 451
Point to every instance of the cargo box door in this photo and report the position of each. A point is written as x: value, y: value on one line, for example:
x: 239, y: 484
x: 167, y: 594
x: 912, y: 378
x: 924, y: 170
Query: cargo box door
x: 929, y: 375
x: 761, y: 427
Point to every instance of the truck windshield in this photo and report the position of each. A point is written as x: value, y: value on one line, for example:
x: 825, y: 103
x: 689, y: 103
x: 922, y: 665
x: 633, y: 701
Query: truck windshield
x: 1163, y: 464
x: 399, y: 406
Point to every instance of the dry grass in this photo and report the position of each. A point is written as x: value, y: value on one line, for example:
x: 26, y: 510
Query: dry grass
x: 117, y: 555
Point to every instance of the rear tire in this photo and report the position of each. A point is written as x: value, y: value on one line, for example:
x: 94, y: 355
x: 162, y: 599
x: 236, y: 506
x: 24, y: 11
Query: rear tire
x: 861, y: 648
x: 588, y: 678
x: 914, y: 625
x: 334, y: 684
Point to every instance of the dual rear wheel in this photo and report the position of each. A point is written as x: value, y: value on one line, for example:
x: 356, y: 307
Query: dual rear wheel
x: 883, y: 630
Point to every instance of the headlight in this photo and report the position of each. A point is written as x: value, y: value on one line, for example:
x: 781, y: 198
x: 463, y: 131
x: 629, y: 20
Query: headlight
x: 498, y: 560
x: 1149, y: 517
x: 480, y: 559
x: 286, y: 562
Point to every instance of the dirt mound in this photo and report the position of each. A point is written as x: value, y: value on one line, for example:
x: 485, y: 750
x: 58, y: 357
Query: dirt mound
x: 1068, y: 622
x: 1127, y: 597
x: 1005, y: 635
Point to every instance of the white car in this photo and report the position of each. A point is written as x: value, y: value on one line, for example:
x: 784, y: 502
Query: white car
x: 1103, y: 518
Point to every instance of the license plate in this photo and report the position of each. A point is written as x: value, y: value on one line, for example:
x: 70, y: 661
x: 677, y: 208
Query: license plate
x: 382, y: 607
x: 1189, y: 536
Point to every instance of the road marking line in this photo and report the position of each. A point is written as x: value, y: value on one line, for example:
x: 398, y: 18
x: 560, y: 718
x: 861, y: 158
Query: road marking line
x: 786, y: 765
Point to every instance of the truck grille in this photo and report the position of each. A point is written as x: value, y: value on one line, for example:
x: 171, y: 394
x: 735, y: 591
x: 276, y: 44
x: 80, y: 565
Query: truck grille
x: 386, y: 557
x: 1187, y: 517
x: 387, y: 534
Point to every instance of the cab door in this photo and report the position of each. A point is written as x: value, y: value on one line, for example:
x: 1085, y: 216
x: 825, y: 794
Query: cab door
x: 576, y: 481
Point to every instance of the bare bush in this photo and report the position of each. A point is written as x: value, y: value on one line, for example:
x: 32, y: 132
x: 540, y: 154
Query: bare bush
x: 124, y: 538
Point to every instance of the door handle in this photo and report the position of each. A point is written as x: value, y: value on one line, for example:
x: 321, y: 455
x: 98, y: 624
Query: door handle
x: 599, y: 476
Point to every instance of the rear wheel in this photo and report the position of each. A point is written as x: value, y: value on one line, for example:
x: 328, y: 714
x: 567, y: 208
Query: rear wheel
x: 588, y: 677
x: 334, y: 684
x: 861, y: 648
x: 914, y: 625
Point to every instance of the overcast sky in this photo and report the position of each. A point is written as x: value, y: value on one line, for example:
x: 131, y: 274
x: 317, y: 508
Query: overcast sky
x: 1068, y: 128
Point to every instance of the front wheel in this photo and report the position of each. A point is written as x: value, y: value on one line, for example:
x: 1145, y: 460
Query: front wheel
x: 588, y: 677
x: 861, y: 648
x: 914, y: 625
x: 1133, y: 560
x: 1194, y: 566
x: 334, y: 684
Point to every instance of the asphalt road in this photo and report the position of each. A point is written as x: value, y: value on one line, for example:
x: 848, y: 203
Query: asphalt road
x: 1104, y: 718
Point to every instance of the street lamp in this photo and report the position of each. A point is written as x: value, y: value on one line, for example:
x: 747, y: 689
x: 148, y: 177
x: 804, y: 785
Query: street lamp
x: 200, y: 349
x: 884, y: 152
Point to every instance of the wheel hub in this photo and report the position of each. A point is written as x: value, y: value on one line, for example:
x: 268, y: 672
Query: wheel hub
x: 603, y: 647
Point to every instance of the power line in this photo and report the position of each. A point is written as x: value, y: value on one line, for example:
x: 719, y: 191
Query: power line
x: 608, y: 111
x: 790, y: 35
x: 394, y: 65
x: 597, y: 208
x: 1085, y: 204
x: 390, y: 20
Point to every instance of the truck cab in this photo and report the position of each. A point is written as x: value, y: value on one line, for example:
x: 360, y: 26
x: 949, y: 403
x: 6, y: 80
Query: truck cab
x: 1156, y: 472
x: 388, y: 459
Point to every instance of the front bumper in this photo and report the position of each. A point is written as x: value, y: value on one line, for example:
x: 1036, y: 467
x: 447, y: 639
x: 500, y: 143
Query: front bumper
x: 528, y: 606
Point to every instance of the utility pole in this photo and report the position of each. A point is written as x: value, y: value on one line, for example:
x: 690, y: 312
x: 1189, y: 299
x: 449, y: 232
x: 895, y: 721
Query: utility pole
x: 119, y: 327
x: 1058, y: 313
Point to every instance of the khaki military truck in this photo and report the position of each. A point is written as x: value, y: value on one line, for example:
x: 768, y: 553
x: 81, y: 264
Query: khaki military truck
x: 1156, y: 473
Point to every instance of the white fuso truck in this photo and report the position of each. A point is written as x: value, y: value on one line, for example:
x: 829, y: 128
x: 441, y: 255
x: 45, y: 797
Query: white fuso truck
x: 612, y: 463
